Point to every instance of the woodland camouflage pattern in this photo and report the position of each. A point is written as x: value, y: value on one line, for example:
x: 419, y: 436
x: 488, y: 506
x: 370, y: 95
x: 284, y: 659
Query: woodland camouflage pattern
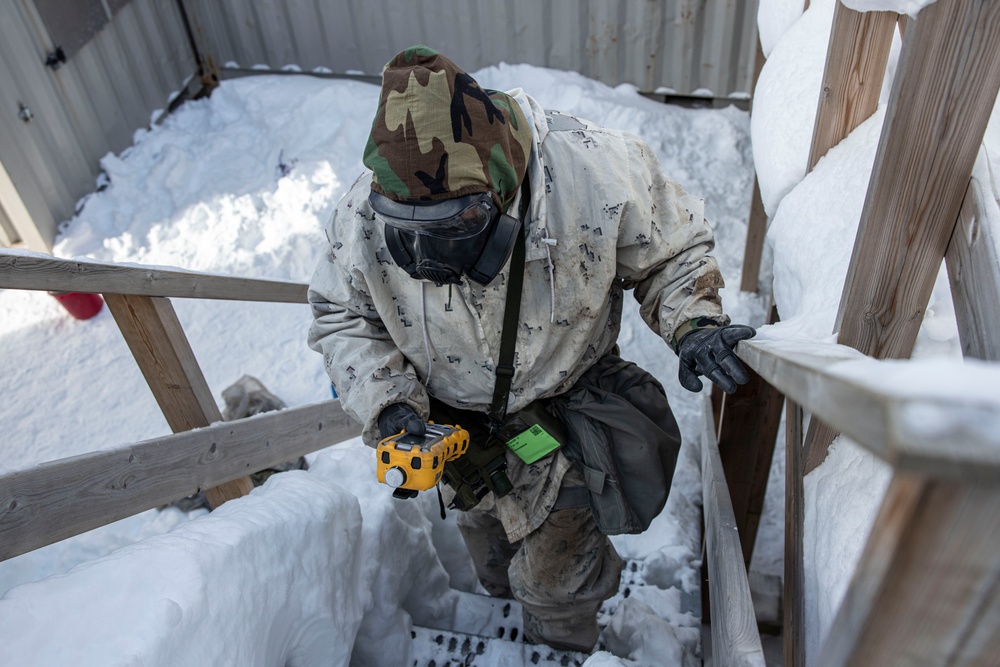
x: 482, y: 145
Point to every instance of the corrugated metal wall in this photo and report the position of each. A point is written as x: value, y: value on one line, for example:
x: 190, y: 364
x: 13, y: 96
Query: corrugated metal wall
x: 91, y: 105
x: 116, y: 77
x: 690, y: 46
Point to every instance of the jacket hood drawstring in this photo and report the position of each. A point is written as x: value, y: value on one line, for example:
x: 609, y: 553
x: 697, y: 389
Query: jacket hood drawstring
x: 552, y: 274
x: 423, y: 324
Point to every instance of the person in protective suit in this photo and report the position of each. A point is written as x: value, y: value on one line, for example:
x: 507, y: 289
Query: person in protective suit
x: 409, y: 300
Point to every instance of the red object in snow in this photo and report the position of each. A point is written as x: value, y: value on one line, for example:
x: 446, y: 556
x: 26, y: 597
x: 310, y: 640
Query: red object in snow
x: 79, y: 305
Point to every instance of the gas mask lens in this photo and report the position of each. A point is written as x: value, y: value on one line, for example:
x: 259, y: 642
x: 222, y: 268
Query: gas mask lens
x: 453, y: 219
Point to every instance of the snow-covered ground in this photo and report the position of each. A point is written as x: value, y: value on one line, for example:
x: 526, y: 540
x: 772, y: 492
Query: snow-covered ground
x: 242, y: 183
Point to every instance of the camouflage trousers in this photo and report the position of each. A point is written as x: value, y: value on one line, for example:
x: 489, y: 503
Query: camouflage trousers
x: 561, y: 572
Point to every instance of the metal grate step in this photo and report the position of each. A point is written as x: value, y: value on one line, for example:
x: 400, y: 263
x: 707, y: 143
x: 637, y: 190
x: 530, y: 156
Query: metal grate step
x: 444, y: 648
x: 487, y: 631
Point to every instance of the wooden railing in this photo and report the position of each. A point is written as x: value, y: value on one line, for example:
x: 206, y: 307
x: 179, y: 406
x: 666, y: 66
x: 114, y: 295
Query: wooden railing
x: 939, y: 523
x: 59, y: 499
x: 735, y: 638
x: 925, y: 589
x: 926, y: 581
x: 37, y: 271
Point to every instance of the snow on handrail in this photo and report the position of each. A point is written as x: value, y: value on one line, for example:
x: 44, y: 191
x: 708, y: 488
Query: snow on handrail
x: 28, y: 270
x: 940, y: 418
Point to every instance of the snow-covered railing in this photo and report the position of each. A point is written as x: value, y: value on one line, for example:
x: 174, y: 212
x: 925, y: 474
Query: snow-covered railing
x: 925, y: 586
x: 926, y: 581
x: 934, y: 418
x: 59, y: 499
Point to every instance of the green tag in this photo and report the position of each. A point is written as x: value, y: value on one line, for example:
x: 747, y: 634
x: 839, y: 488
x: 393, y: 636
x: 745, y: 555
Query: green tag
x: 532, y: 444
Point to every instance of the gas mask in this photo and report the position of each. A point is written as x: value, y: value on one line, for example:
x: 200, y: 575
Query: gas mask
x: 442, y: 240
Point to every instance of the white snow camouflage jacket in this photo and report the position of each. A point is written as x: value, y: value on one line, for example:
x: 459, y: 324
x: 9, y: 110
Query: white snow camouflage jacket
x: 602, y: 218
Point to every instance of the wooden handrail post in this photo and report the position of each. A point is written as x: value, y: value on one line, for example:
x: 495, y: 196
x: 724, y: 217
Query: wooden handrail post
x: 747, y: 424
x: 948, y: 78
x: 974, y: 273
x: 157, y: 341
x: 757, y: 223
x: 926, y: 588
x: 754, y: 249
x: 852, y: 78
x: 750, y: 421
x: 735, y: 638
x: 793, y: 602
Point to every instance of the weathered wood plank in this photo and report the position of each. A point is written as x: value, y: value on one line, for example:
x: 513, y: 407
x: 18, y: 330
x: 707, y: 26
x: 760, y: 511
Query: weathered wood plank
x: 157, y: 341
x: 945, y: 87
x: 36, y: 271
x: 819, y: 437
x: 887, y: 413
x: 156, y: 338
x: 735, y: 639
x: 974, y: 273
x: 926, y: 589
x: 757, y: 223
x: 852, y: 80
x: 898, y: 508
x: 749, y: 428
x: 60, y: 499
x: 793, y: 595
x: 754, y: 248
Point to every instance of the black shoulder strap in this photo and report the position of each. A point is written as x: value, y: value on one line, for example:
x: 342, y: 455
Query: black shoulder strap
x: 511, y: 316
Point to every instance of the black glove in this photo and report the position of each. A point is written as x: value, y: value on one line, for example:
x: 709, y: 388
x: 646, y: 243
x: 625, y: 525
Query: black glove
x: 709, y: 352
x: 399, y: 417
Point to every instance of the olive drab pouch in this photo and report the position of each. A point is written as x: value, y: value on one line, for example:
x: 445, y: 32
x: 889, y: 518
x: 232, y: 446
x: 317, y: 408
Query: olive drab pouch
x: 622, y: 435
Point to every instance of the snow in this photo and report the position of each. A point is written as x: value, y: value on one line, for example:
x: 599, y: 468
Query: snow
x: 315, y: 563
x: 321, y: 564
x: 911, y: 7
x: 814, y: 219
x: 182, y: 597
x: 786, y: 100
x: 774, y: 17
x: 841, y: 499
x: 822, y: 211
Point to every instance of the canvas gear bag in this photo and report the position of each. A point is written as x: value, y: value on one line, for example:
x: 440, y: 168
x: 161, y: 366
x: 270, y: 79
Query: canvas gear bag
x: 623, y: 436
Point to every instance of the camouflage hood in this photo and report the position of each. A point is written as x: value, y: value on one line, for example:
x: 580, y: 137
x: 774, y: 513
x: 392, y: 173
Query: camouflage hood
x: 438, y: 135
